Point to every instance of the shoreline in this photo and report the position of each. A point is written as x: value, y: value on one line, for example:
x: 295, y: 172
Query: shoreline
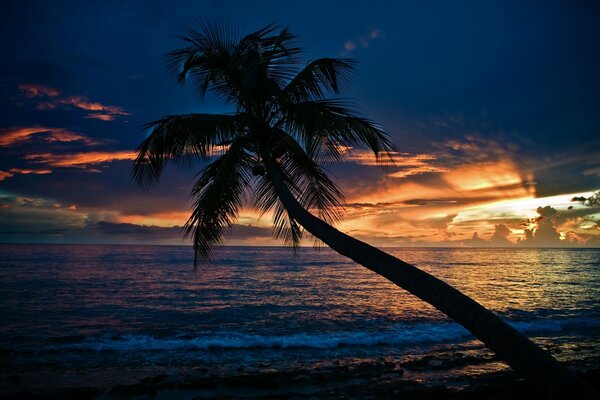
x: 379, y: 379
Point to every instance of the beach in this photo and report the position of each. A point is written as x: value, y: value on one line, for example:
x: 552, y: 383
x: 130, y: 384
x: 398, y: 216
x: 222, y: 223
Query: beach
x: 348, y: 379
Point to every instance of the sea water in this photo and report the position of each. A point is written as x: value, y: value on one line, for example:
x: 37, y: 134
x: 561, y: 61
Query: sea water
x: 115, y: 313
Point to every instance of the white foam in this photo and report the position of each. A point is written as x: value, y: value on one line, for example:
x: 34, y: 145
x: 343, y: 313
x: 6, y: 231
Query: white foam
x: 404, y: 334
x: 437, y: 332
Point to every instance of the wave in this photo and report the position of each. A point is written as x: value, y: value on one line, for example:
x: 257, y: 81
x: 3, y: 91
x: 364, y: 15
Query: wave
x: 555, y: 325
x: 402, y: 334
x: 234, y: 340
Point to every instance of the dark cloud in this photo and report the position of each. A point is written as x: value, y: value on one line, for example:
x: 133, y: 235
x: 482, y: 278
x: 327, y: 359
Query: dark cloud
x: 122, y: 233
x: 498, y: 239
x: 546, y: 232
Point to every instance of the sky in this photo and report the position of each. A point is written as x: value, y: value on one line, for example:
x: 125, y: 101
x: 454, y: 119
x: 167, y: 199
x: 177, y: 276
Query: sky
x: 493, y: 106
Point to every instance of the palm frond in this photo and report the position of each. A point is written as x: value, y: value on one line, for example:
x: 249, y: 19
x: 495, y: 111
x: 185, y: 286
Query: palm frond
x: 217, y: 197
x: 255, y: 67
x: 215, y: 41
x: 182, y: 137
x: 307, y: 182
x: 323, y: 125
x: 209, y: 58
x: 317, y: 78
x: 315, y: 190
x: 284, y: 226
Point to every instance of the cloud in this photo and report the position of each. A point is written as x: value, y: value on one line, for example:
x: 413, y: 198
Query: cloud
x: 96, y: 109
x: 10, y: 173
x: 500, y: 235
x: 546, y: 212
x: 31, y: 90
x: 474, y: 149
x: 84, y: 103
x: 137, y: 231
x: 80, y: 160
x: 591, y: 201
x: 485, y: 175
x: 363, y: 40
x: 545, y: 231
x: 24, y: 217
x: 592, y: 171
x: 13, y: 136
x: 4, y: 175
x: 417, y: 169
x: 31, y: 219
x: 405, y: 164
x: 498, y: 239
x: 101, y: 117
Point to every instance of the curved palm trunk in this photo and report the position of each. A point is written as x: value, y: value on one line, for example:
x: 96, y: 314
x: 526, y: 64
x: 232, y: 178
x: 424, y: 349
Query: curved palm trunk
x: 527, y: 359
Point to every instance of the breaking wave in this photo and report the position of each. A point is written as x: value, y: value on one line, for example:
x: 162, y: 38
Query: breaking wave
x: 399, y: 335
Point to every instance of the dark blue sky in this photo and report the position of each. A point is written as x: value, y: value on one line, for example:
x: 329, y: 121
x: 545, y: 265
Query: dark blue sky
x: 517, y: 79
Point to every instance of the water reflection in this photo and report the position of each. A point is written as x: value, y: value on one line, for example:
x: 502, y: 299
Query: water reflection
x: 137, y: 306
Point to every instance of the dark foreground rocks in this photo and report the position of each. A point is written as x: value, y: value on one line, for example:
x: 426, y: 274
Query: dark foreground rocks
x: 344, y: 379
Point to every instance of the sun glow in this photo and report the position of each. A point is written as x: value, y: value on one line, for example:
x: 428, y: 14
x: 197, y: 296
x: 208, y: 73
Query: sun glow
x: 484, y: 176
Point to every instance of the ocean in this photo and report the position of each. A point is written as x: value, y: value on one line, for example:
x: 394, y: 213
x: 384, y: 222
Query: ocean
x: 101, y: 316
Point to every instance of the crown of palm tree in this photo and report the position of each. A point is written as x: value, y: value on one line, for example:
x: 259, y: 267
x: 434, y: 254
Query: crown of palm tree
x: 281, y: 117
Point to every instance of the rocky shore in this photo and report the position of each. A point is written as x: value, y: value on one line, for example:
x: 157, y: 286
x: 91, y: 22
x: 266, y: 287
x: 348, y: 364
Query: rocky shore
x: 343, y: 379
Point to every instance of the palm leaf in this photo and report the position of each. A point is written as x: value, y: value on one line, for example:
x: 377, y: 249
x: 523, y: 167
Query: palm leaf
x: 319, y: 77
x: 217, y: 197
x: 182, y: 137
x: 266, y: 199
x: 254, y: 68
x: 306, y: 180
x: 323, y: 125
x: 315, y: 190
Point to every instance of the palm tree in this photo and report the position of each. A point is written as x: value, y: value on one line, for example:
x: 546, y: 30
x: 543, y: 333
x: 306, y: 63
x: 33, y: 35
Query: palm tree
x: 271, y: 151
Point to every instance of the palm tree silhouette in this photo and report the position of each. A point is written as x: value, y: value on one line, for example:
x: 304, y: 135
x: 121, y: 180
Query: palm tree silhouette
x: 270, y: 150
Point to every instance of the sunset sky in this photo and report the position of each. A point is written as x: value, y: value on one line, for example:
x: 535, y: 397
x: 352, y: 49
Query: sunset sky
x: 495, y: 108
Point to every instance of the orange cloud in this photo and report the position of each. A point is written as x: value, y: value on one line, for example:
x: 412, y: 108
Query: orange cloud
x: 98, y: 110
x: 32, y: 90
x: 83, y: 103
x: 408, y: 164
x: 4, y: 175
x: 9, y: 137
x: 449, y: 204
x: 101, y: 117
x: 80, y: 160
x: 485, y: 175
x: 31, y: 171
x: 163, y: 219
x: 10, y: 173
